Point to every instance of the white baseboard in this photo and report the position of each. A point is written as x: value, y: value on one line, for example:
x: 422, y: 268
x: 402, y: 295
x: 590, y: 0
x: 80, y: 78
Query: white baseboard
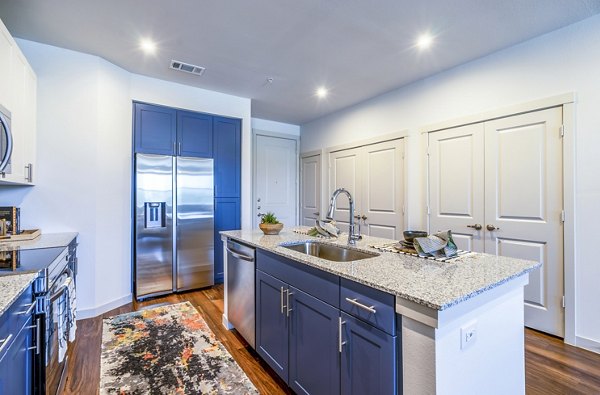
x: 226, y: 323
x: 588, y: 344
x: 96, y: 311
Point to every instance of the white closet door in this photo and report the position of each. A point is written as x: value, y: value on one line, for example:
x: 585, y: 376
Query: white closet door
x: 382, y: 197
x: 311, y: 189
x: 456, y: 184
x: 523, y: 189
x: 276, y: 173
x: 344, y: 172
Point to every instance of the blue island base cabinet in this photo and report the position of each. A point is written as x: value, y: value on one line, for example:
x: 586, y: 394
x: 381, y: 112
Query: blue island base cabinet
x: 368, y: 359
x: 315, y: 347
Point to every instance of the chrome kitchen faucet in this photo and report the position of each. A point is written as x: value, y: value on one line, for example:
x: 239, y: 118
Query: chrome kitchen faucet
x: 352, y: 237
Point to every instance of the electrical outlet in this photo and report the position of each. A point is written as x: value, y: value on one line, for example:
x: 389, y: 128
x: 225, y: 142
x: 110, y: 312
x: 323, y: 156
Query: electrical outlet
x: 468, y: 335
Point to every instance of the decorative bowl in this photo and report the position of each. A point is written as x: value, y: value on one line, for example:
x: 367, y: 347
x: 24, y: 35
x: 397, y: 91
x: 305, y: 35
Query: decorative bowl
x: 271, y: 229
x: 409, y: 235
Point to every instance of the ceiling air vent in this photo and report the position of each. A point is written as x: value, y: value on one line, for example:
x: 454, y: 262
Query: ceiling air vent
x: 188, y: 68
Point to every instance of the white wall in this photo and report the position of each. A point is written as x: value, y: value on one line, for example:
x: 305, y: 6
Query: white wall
x: 276, y: 127
x: 559, y: 62
x: 83, y: 176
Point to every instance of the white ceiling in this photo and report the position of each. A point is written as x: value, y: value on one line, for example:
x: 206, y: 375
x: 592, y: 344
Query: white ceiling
x: 357, y: 48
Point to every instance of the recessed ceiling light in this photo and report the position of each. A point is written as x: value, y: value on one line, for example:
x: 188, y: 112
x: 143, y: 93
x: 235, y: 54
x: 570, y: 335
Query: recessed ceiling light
x: 148, y: 46
x: 321, y: 92
x: 424, y: 41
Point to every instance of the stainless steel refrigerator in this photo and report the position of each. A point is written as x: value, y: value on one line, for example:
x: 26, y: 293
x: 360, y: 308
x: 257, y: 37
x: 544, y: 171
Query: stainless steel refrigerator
x: 174, y: 229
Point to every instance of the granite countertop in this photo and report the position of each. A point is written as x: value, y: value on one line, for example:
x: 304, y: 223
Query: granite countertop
x: 438, y: 285
x: 11, y: 287
x: 43, y: 241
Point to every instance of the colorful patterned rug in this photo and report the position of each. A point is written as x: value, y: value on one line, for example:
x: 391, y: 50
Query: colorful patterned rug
x: 167, y: 350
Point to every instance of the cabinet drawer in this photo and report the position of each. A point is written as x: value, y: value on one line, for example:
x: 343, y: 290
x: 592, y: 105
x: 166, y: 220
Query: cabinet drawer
x: 320, y: 284
x: 369, y: 304
x: 14, y: 318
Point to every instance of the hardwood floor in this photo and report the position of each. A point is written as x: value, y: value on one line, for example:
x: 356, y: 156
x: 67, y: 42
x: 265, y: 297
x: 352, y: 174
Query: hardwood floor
x: 551, y: 367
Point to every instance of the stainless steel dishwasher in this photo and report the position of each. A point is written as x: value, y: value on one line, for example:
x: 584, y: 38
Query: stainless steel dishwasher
x: 240, y: 289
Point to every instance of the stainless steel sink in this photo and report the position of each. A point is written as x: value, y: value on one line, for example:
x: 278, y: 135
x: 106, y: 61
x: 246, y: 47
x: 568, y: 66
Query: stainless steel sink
x: 329, y: 251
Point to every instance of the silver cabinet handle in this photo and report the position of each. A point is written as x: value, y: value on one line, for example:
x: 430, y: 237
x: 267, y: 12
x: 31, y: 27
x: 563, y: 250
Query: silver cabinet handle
x: 287, y: 313
x: 341, y: 343
x: 281, y: 292
x: 370, y: 309
x: 5, y: 342
x: 475, y: 226
x: 38, y: 336
x: 492, y: 227
x: 179, y: 148
x: 29, y: 172
x: 317, y: 213
x: 29, y: 310
x: 240, y: 256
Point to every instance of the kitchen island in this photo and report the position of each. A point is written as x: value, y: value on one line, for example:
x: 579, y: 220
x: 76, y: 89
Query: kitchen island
x: 459, y: 323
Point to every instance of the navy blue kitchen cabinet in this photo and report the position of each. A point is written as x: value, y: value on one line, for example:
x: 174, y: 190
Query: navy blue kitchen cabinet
x: 314, y: 356
x: 227, y: 217
x: 16, y: 347
x: 272, y: 332
x: 227, y: 153
x: 194, y: 134
x: 155, y: 129
x: 368, y: 359
x: 324, y: 334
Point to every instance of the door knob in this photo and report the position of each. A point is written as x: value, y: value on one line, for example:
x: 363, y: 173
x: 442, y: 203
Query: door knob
x: 363, y: 217
x: 258, y: 200
x: 259, y: 214
x: 491, y: 228
x: 476, y: 226
x: 317, y: 214
x: 258, y: 207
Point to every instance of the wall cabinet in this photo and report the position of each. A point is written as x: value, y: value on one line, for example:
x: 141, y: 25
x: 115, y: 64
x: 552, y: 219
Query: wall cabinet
x: 313, y: 345
x: 18, y: 90
x: 16, y: 355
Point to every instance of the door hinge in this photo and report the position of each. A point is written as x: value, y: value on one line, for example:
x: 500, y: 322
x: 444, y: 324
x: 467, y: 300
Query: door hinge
x: 562, y: 216
x: 561, y: 130
x: 563, y: 301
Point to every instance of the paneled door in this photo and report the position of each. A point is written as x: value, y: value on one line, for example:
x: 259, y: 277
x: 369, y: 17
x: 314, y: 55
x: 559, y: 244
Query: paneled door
x: 344, y: 172
x: 310, y: 205
x: 374, y: 175
x: 456, y: 185
x: 382, y: 197
x: 498, y: 185
x: 276, y: 178
x: 523, y: 192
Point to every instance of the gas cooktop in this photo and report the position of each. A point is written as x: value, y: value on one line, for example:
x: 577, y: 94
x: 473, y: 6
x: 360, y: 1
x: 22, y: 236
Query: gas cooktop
x: 27, y: 261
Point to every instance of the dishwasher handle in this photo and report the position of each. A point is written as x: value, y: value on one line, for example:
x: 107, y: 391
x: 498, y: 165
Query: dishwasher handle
x: 240, y: 256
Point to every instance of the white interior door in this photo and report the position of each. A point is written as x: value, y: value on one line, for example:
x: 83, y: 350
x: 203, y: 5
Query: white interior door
x: 275, y: 184
x: 344, y: 172
x: 382, y: 197
x: 310, y: 205
x: 523, y: 189
x: 456, y: 184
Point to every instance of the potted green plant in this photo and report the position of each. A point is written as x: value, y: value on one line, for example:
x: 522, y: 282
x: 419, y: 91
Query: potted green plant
x: 269, y: 224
